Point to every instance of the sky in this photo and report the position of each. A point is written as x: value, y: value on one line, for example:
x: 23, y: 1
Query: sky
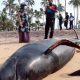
x: 1, y: 5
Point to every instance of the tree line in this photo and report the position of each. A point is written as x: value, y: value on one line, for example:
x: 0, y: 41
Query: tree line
x: 9, y: 20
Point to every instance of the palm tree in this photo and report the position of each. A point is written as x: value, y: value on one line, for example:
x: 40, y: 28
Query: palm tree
x: 3, y: 19
x: 76, y: 4
x: 58, y: 2
x: 30, y: 15
x: 30, y: 2
x: 11, y: 9
x: 37, y: 25
x: 19, y: 1
x: 9, y: 5
x: 42, y: 12
x: 38, y: 16
x: 44, y: 3
x: 60, y: 7
x: 5, y: 23
x: 29, y: 10
x: 65, y: 6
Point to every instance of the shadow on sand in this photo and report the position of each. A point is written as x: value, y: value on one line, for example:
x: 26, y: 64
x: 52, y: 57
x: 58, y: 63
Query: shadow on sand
x: 76, y: 73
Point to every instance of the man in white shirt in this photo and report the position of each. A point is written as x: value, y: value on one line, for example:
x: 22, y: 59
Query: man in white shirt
x: 71, y: 19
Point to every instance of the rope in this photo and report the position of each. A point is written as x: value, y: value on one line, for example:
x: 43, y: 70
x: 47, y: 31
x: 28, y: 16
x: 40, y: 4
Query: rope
x: 61, y: 42
x: 76, y: 34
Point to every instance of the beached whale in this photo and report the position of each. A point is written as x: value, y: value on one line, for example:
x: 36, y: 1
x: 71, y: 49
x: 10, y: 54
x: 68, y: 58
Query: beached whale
x: 37, y: 60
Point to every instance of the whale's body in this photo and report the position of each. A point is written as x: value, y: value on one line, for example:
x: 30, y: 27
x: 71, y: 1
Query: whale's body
x: 30, y: 62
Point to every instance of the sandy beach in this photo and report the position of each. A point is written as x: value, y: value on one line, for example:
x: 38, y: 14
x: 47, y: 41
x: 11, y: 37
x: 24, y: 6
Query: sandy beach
x: 9, y: 44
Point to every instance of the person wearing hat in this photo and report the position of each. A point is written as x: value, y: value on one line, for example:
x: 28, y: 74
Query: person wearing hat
x: 24, y: 29
x: 50, y: 11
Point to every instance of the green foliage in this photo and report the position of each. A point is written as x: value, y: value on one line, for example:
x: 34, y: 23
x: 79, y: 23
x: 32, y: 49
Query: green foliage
x: 37, y: 14
x: 75, y: 2
x: 5, y: 23
x: 60, y: 7
x: 44, y: 3
x: 30, y: 2
x: 8, y: 17
x: 9, y: 6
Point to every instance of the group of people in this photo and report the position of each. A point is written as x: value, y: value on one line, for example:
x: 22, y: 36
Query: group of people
x: 24, y: 29
x: 51, y: 9
x: 67, y: 19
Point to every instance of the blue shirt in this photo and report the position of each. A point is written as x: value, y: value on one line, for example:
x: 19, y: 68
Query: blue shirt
x: 71, y: 18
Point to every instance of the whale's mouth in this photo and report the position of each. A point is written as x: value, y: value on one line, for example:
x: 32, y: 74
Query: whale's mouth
x: 61, y: 42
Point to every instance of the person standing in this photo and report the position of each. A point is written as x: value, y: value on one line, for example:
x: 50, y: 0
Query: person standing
x: 60, y: 21
x: 71, y: 19
x: 50, y: 19
x: 66, y: 20
x: 24, y: 29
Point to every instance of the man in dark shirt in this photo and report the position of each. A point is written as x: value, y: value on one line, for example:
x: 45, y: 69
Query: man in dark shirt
x: 66, y: 20
x: 60, y: 21
x: 50, y: 19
